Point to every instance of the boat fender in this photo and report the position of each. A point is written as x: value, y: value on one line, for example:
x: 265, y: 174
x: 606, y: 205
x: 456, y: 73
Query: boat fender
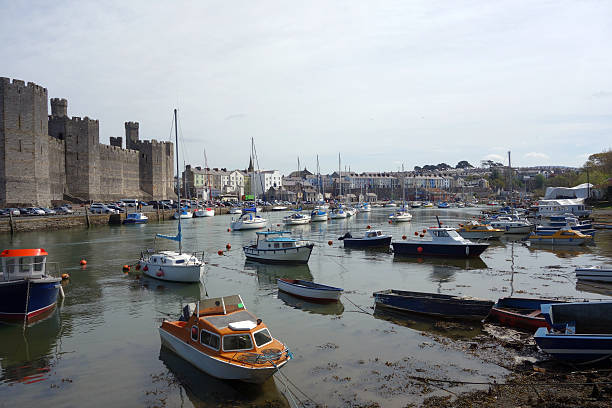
x: 160, y: 272
x: 228, y: 246
x: 65, y: 276
x: 329, y: 243
x: 228, y: 230
x: 419, y: 249
x: 403, y: 237
x: 83, y: 262
x: 467, y: 250
x: 259, y: 322
x: 126, y: 268
x: 146, y: 268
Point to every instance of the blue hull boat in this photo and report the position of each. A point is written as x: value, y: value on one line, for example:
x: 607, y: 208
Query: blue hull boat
x: 371, y: 239
x: 581, y: 332
x: 433, y: 304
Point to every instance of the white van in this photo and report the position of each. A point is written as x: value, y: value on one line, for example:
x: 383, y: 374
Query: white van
x: 130, y: 202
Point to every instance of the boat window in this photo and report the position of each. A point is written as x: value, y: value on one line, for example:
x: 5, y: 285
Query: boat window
x: 24, y: 265
x: 235, y: 342
x: 179, y: 261
x: 378, y: 233
x: 276, y: 245
x: 194, y: 333
x: 210, y: 339
x: 371, y: 234
x: 38, y: 263
x: 10, y: 266
x: 287, y: 245
x: 262, y: 337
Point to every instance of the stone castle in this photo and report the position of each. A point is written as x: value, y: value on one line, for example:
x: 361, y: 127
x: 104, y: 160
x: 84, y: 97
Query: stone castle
x: 45, y: 159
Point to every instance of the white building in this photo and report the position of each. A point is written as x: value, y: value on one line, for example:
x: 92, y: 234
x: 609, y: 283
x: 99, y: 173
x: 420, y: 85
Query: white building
x: 266, y: 179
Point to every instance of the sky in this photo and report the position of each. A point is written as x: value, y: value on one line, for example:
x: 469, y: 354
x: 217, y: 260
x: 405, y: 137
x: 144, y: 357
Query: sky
x: 384, y: 84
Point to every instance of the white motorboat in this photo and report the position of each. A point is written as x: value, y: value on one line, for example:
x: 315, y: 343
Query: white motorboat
x: 350, y: 211
x: 223, y: 339
x: 297, y: 218
x: 365, y: 207
x: 427, y: 204
x: 402, y: 215
x: 235, y: 210
x: 184, y: 214
x: 390, y: 204
x: 318, y: 215
x: 248, y: 220
x: 136, y: 218
x: 337, y: 214
x: 595, y: 274
x: 171, y: 265
x: 204, y: 212
x: 415, y: 204
x: 279, y: 208
x: 308, y: 290
x: 512, y: 224
x: 278, y: 247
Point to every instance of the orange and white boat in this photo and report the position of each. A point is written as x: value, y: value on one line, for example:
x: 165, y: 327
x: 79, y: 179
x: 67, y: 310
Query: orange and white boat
x: 223, y: 339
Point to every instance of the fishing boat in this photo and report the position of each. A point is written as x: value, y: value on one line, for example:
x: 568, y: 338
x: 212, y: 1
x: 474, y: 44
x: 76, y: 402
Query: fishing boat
x: 296, y: 218
x: 443, y: 204
x: 402, y: 215
x: 439, y: 241
x: 278, y: 247
x: 27, y: 290
x: 581, y: 331
x: 318, y: 215
x: 204, y: 212
x: 337, y: 213
x: 512, y: 224
x: 136, y: 218
x: 415, y: 204
x: 434, y: 304
x: 222, y: 338
x: 309, y: 290
x: 370, y: 239
x: 559, y: 237
x: 476, y: 230
x: 427, y: 204
x: 248, y: 220
x: 595, y: 274
x: 172, y: 266
x: 520, y: 313
x: 184, y: 213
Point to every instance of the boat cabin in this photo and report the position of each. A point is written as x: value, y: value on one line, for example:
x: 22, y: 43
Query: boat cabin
x: 20, y: 264
x: 443, y: 235
x: 170, y: 258
x: 373, y: 234
x: 276, y: 240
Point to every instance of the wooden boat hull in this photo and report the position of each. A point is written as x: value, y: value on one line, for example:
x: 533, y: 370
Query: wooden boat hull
x: 382, y: 242
x: 217, y: 367
x: 299, y: 255
x: 316, y: 293
x: 172, y: 273
x: 41, y: 297
x: 520, y: 313
x: 594, y: 274
x: 429, y: 249
x: 444, y: 306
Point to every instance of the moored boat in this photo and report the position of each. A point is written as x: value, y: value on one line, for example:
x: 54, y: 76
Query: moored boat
x: 222, y: 338
x: 434, y: 304
x: 278, y: 247
x: 136, y: 218
x: 595, y: 274
x: 183, y: 213
x: 337, y: 213
x: 520, y: 313
x: 235, y: 210
x: 248, y: 220
x: 315, y: 292
x: 402, y: 215
x: 318, y: 215
x: 512, y: 224
x: 370, y: 239
x: 581, y: 332
x: 27, y: 290
x: 440, y: 241
x: 204, y: 212
x: 443, y: 204
x: 476, y: 230
x: 559, y: 237
x: 296, y: 218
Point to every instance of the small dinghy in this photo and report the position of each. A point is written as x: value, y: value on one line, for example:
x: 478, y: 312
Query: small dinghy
x: 371, y: 239
x: 520, y: 313
x: 595, y: 274
x: 309, y: 290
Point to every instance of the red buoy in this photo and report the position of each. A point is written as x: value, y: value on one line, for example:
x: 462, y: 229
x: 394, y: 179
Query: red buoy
x: 160, y: 273
x: 228, y: 230
x: 403, y: 237
x: 421, y: 235
x: 228, y: 246
x: 137, y: 266
x: 416, y: 233
x: 420, y: 250
x: 220, y: 252
x: 368, y: 227
x: 83, y: 262
x: 126, y: 268
x: 329, y: 243
x: 65, y: 276
x: 146, y: 268
x: 424, y: 231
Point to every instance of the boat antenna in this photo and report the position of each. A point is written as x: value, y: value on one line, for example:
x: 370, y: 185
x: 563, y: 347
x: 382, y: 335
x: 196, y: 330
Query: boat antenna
x: 178, y: 185
x: 439, y: 223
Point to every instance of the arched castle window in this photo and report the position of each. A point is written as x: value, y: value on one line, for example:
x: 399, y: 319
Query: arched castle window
x: 19, y: 121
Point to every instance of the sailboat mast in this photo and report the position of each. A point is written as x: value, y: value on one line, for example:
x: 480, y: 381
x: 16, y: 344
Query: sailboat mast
x: 178, y: 185
x: 339, y: 174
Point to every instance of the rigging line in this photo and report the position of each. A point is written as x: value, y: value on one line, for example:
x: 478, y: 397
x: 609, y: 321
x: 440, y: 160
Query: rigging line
x: 295, y: 386
x: 357, y: 306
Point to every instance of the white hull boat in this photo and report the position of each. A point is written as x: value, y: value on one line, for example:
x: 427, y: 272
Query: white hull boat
x: 184, y: 215
x: 296, y: 219
x: 337, y: 214
x: 595, y: 274
x: 278, y: 247
x: 318, y: 215
x: 164, y: 266
x: 248, y: 221
x: 279, y: 208
x: 204, y: 212
x: 309, y: 290
x: 235, y: 210
x: 400, y: 216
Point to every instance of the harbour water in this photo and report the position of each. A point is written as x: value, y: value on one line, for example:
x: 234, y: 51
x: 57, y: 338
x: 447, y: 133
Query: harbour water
x: 102, y: 347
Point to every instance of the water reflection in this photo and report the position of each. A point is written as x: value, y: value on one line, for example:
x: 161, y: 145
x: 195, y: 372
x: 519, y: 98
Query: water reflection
x: 560, y: 251
x: 267, y: 274
x: 452, y: 329
x: 25, y: 352
x: 204, y: 390
x: 465, y: 263
x: 599, y: 288
x: 333, y: 308
x: 189, y: 292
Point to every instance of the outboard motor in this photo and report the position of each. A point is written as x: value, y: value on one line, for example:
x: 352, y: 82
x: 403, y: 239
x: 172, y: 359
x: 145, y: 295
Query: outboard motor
x: 188, y: 310
x: 347, y: 235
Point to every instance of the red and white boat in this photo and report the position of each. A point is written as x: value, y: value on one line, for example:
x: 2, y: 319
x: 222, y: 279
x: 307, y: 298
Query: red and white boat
x: 309, y: 290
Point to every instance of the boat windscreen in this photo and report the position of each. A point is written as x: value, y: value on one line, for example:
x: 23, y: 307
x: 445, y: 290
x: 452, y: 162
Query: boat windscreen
x: 223, y: 321
x: 220, y: 305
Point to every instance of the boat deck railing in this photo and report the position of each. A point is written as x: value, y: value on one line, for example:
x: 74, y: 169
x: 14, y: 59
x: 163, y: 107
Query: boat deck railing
x: 267, y: 356
x: 29, y: 270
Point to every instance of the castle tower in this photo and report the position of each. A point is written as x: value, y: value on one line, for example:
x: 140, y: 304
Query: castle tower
x: 24, y: 144
x: 131, y: 135
x: 59, y: 107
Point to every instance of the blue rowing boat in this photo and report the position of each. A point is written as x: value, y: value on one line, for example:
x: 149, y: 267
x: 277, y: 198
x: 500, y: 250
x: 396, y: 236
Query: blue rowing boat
x: 580, y: 332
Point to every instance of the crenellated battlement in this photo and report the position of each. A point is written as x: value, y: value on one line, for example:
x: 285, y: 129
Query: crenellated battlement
x: 20, y: 84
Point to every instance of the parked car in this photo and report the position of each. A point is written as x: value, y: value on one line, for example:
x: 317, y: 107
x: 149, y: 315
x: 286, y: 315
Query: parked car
x: 35, y: 211
x: 48, y: 211
x: 14, y: 211
x: 63, y: 210
x: 99, y: 208
x: 116, y: 208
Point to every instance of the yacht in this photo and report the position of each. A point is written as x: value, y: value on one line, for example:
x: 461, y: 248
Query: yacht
x: 278, y: 247
x: 248, y: 220
x: 337, y: 213
x: 318, y: 215
x: 204, y: 212
x: 401, y: 215
x: 297, y: 218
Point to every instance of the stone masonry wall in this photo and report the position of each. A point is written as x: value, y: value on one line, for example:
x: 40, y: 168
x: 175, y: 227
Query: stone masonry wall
x: 57, y: 169
x: 119, y: 175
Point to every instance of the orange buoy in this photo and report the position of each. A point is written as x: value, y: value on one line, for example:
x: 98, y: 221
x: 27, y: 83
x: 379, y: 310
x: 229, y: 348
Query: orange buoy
x: 83, y: 262
x: 65, y: 276
x: 420, y: 250
x: 368, y: 227
x: 329, y: 243
x: 228, y: 246
x: 403, y: 237
x: 220, y: 252
x: 126, y: 268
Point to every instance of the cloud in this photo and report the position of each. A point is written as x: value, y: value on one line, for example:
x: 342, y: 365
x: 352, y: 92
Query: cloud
x: 536, y: 155
x: 494, y: 157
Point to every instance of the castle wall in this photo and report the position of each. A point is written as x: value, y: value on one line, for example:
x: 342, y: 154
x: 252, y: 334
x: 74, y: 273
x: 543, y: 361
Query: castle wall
x: 82, y: 156
x: 156, y: 161
x: 119, y: 173
x: 24, y: 174
x: 57, y: 169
